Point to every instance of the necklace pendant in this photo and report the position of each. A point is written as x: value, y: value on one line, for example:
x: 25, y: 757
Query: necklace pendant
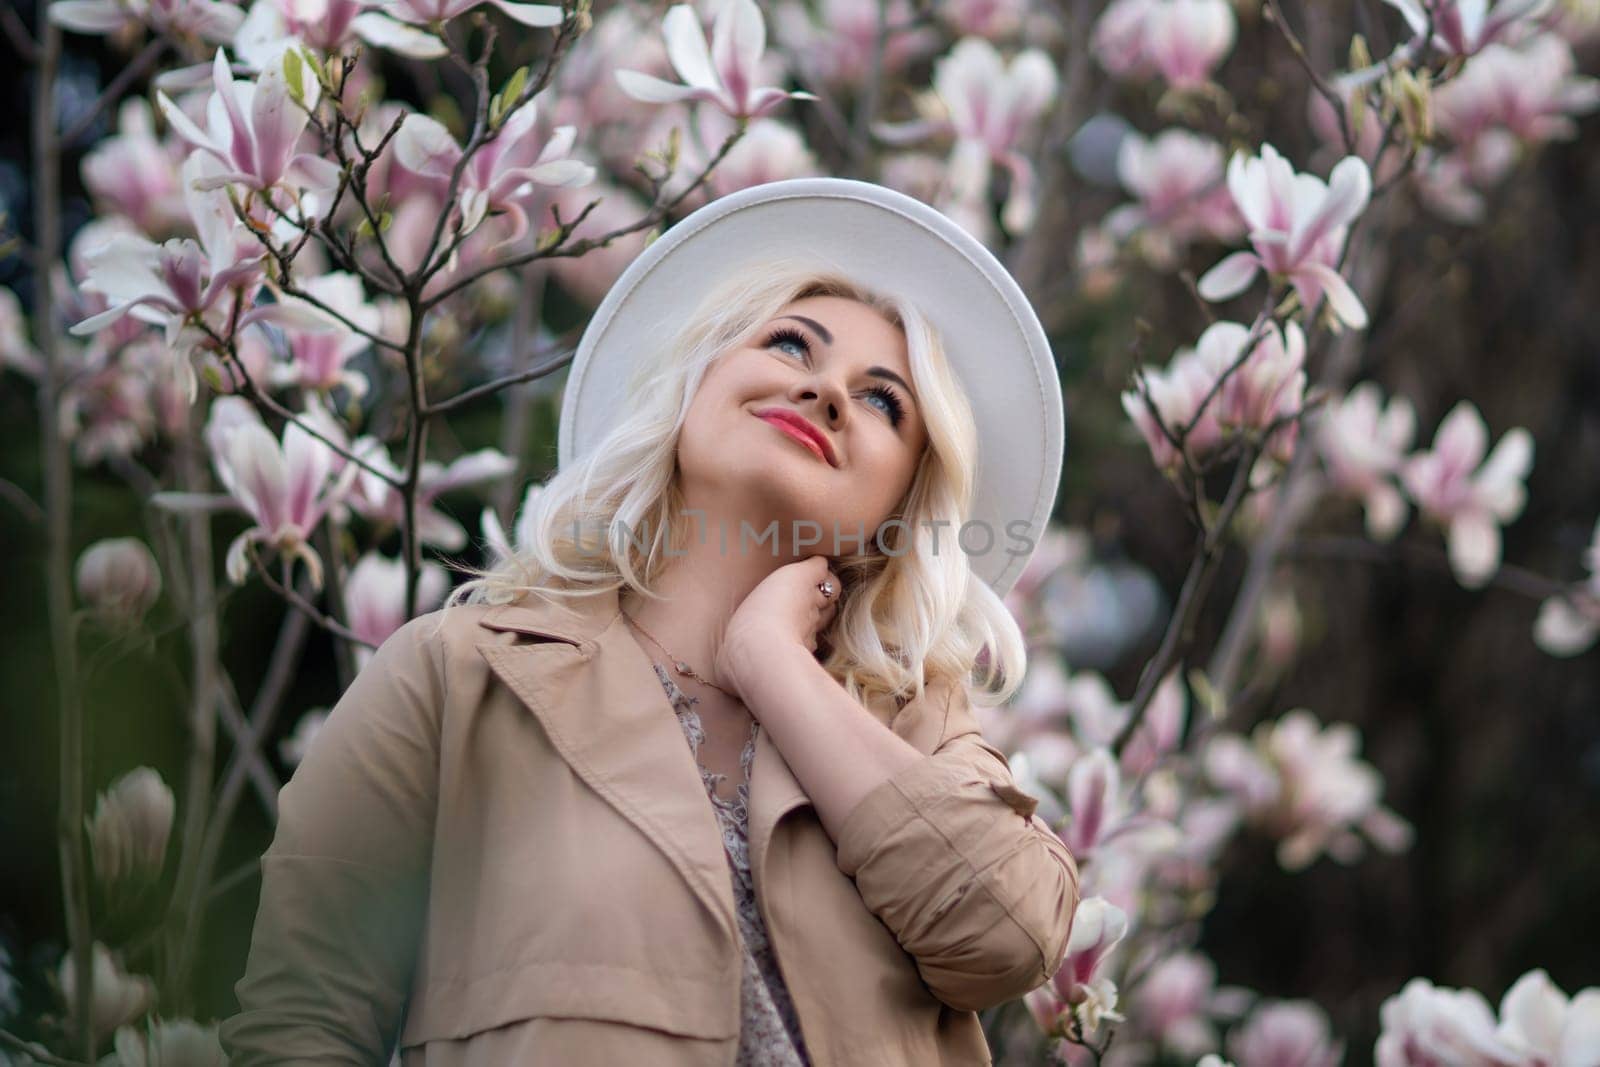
x: 683, y: 668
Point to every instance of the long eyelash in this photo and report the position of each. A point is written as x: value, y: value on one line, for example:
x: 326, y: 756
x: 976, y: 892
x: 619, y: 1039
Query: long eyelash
x: 786, y: 333
x: 897, y: 410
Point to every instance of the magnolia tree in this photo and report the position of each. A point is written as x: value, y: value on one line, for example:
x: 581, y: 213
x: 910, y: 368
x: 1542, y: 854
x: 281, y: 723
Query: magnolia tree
x: 328, y: 232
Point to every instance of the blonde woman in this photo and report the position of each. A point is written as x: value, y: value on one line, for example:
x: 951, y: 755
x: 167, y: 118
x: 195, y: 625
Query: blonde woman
x: 692, y: 777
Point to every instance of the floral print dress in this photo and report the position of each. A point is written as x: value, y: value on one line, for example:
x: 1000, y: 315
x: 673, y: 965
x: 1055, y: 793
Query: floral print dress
x: 769, y: 1035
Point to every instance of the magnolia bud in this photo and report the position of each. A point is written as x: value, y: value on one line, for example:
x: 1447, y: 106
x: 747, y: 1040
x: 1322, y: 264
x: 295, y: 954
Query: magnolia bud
x: 132, y: 820
x: 118, y: 579
x: 117, y: 997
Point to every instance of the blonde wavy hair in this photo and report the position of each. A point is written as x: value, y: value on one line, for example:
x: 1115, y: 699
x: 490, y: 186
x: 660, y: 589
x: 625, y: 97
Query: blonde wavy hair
x: 907, y: 617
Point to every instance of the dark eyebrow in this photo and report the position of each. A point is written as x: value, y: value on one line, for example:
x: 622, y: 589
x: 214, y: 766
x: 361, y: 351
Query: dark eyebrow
x: 876, y: 372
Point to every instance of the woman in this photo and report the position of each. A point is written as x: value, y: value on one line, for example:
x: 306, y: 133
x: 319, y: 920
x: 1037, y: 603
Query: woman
x: 693, y: 778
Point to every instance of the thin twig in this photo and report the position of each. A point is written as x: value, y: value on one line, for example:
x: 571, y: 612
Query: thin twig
x: 489, y: 388
x: 301, y: 604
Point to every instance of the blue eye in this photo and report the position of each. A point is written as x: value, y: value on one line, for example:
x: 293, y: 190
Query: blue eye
x: 784, y: 335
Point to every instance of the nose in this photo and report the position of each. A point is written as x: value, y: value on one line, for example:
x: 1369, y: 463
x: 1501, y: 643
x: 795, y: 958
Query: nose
x: 824, y: 395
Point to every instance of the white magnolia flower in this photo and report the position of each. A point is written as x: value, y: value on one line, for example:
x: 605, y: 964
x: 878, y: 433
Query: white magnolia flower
x: 722, y: 74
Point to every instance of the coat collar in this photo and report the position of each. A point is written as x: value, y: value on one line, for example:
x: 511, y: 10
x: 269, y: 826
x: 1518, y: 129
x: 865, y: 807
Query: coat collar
x: 595, y: 692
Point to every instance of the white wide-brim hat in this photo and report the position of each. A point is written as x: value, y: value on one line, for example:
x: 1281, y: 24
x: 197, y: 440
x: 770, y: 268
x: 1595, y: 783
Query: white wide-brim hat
x: 885, y: 240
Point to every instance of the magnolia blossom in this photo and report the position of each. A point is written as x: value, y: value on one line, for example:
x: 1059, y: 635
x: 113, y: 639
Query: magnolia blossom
x: 1078, y: 986
x: 1528, y: 92
x: 432, y: 12
x: 1463, y: 27
x: 212, y: 20
x: 1297, y: 227
x: 286, y: 488
x: 1182, y: 40
x: 375, y: 597
x: 187, y: 287
x: 1178, y: 179
x: 1470, y: 500
x: 118, y: 579
x: 1548, y: 1027
x: 1289, y: 1032
x: 839, y: 43
x: 724, y: 73
x: 1260, y: 393
x: 327, y: 26
x: 769, y: 151
x: 116, y: 998
x: 1174, y: 1004
x: 253, y: 128
x: 1101, y: 809
x: 169, y: 1042
x: 1364, y: 443
x: 498, y: 176
x: 1305, y: 786
x: 503, y: 547
x: 1425, y: 1025
x: 318, y: 357
x: 135, y: 175
x: 132, y: 820
x: 992, y: 107
x: 1568, y: 625
x: 380, y: 501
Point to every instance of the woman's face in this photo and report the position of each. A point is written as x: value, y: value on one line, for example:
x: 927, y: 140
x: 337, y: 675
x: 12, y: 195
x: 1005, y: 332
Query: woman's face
x: 746, y: 451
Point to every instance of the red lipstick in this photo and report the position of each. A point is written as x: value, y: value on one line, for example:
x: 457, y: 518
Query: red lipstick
x: 802, y: 430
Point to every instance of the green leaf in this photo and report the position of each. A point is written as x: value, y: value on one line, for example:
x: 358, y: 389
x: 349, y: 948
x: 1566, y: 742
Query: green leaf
x: 294, y: 74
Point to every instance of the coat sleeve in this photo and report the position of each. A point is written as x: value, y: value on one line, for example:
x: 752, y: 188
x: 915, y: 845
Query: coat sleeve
x: 344, y: 882
x: 948, y: 854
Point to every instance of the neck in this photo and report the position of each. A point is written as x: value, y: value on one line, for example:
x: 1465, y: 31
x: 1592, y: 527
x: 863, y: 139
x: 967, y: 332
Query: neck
x: 700, y: 588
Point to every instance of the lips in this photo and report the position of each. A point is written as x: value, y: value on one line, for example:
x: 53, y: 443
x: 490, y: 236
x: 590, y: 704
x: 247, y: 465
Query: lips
x: 802, y: 430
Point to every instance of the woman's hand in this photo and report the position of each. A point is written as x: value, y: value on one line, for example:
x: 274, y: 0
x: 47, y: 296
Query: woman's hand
x: 786, y: 610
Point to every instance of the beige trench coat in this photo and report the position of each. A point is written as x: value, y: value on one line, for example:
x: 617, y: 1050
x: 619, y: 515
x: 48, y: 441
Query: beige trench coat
x: 498, y: 850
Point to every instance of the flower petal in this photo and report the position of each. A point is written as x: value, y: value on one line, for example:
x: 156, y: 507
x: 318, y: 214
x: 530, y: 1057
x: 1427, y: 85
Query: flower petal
x: 1230, y: 277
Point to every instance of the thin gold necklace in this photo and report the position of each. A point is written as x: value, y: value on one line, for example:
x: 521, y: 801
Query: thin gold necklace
x: 677, y: 664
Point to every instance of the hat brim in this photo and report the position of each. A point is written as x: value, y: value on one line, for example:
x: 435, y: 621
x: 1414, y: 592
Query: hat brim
x: 883, y: 239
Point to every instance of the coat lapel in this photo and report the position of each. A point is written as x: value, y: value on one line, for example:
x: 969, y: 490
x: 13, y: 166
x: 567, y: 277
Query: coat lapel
x: 597, y: 696
x: 599, y: 701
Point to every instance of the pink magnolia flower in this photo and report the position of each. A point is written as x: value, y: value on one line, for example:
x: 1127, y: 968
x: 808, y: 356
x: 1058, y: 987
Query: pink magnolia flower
x: 500, y: 174
x: 1529, y: 91
x: 135, y: 175
x: 769, y: 151
x: 327, y: 26
x: 1101, y: 810
x: 1262, y: 391
x: 836, y: 45
x: 1304, y: 785
x: 1181, y: 40
x: 379, y: 501
x: 432, y: 12
x: 286, y: 488
x: 1173, y: 1004
x: 1297, y: 227
x: 253, y: 129
x: 1464, y: 27
x: 211, y: 20
x: 1158, y: 734
x: 375, y: 597
x: 318, y: 356
x: 1364, y: 443
x: 1539, y: 1020
x: 1286, y: 1033
x: 992, y: 107
x: 1425, y: 1025
x: 1177, y: 177
x: 1569, y: 625
x: 1471, y: 501
x: 1078, y: 986
x: 724, y: 73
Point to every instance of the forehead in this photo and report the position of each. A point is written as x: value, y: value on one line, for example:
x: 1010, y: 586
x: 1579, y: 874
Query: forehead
x: 857, y: 330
